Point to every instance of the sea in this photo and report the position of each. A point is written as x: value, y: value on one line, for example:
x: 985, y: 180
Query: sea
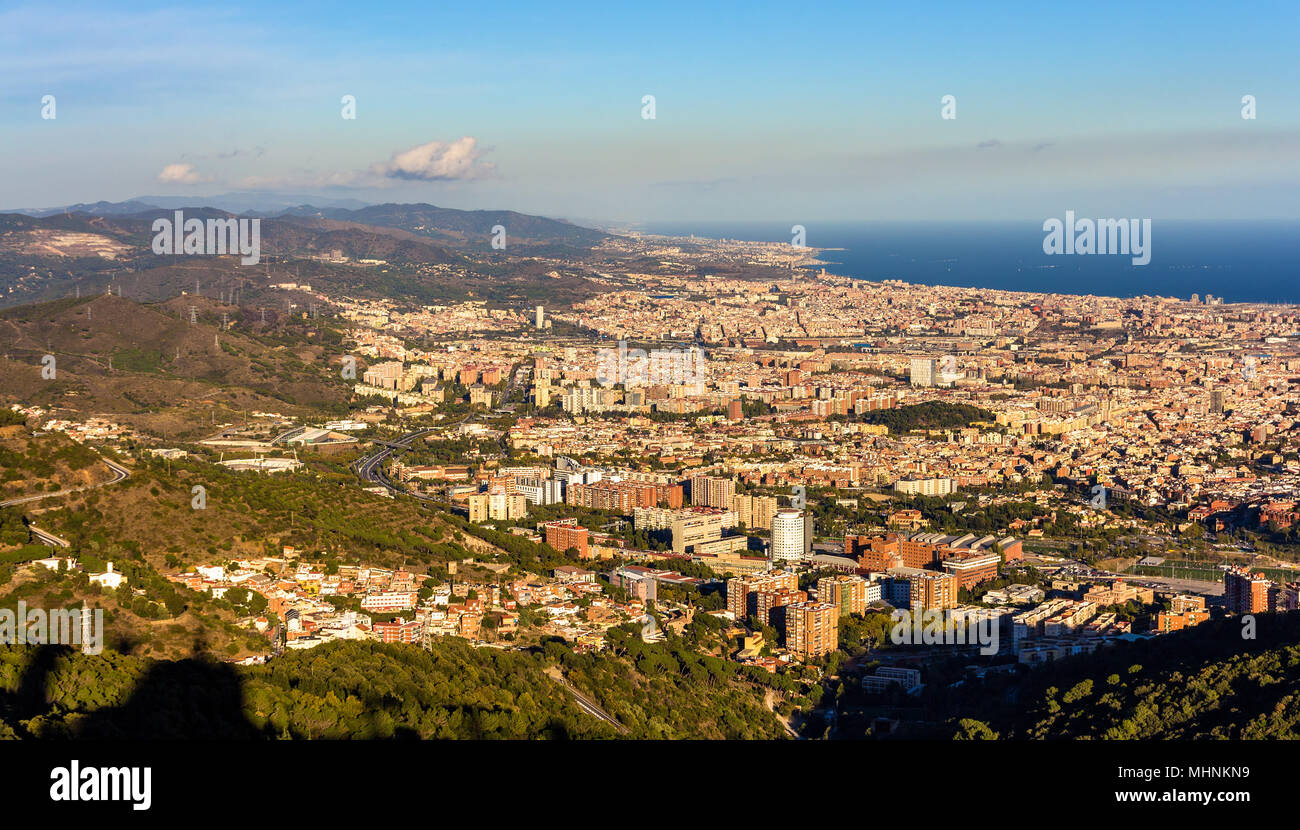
x: 1239, y: 261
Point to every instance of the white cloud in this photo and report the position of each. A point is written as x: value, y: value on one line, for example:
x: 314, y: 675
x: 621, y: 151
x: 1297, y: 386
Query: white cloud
x: 180, y: 174
x: 437, y: 161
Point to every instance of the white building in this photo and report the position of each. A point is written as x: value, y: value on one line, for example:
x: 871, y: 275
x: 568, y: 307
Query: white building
x: 215, y: 573
x: 109, y: 578
x: 875, y: 592
x: 923, y: 371
x: 262, y: 464
x: 346, y: 426
x: 787, y: 536
x: 924, y: 486
x: 541, y: 491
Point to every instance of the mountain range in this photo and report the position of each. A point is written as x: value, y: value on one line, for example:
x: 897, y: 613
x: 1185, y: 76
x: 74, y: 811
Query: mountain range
x: 449, y: 226
x: 416, y: 252
x: 249, y: 202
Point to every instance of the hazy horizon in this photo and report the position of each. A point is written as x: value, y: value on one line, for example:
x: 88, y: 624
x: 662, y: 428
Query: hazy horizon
x: 835, y: 113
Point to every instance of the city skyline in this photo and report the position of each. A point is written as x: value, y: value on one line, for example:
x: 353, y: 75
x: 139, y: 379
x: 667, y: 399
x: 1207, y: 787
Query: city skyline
x: 597, y: 379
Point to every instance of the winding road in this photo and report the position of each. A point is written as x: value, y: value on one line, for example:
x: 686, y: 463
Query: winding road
x: 371, y: 467
x: 119, y: 473
x: 47, y: 538
x: 44, y: 536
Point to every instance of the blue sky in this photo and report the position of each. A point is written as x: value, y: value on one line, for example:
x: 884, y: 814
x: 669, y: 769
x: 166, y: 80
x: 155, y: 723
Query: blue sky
x: 799, y: 112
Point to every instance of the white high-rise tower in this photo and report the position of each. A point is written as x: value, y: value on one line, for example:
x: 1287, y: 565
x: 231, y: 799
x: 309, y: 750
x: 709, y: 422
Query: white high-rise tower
x: 787, y: 536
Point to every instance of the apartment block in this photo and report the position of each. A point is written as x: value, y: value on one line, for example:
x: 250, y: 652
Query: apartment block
x: 754, y: 511
x: 925, y: 486
x: 741, y: 590
x: 712, y: 491
x: 1183, y: 603
x: 1245, y: 592
x: 923, y: 371
x: 1167, y: 621
x: 847, y: 593
x: 567, y: 533
x: 971, y: 569
x: 874, y: 553
x: 769, y: 606
x: 388, y: 601
x: 507, y: 507
x: 396, y: 631
x: 921, y: 590
x: 812, y: 628
x: 623, y: 496
x: 478, y: 504
x: 1118, y: 593
x: 639, y: 582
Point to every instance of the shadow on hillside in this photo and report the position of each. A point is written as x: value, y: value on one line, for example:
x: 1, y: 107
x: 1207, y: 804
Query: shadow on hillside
x: 174, y: 700
x: 189, y: 699
x: 193, y: 699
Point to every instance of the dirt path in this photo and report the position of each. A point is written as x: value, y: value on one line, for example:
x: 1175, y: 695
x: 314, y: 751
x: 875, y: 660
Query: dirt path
x: 769, y: 700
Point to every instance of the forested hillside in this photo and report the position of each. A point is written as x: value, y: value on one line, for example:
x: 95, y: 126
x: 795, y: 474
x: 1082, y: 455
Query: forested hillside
x: 365, y: 690
x: 1204, y: 683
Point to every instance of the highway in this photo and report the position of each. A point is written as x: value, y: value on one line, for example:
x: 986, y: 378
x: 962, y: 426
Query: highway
x: 371, y: 467
x: 516, y: 379
x: 44, y: 536
x: 119, y: 473
x: 585, y: 703
x: 47, y: 538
